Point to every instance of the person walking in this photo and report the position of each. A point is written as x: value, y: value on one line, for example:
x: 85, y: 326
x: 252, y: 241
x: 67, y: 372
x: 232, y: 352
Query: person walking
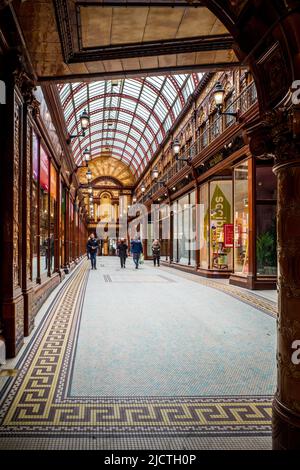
x: 156, y: 252
x: 122, y: 252
x: 92, y: 246
x: 136, y: 250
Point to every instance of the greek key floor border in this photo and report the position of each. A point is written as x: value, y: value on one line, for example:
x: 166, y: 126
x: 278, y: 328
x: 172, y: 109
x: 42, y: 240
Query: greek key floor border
x: 37, y: 402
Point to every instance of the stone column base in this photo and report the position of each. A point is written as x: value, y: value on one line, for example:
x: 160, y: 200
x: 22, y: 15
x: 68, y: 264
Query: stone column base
x: 28, y: 312
x: 286, y: 428
x: 13, y: 323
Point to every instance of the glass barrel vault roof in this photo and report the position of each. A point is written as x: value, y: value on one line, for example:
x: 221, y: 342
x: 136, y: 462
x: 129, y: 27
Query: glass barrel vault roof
x: 128, y: 117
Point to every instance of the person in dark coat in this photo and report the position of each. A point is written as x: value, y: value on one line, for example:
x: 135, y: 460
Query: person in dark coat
x: 122, y: 252
x: 156, y: 252
x: 136, y: 250
x: 92, y: 246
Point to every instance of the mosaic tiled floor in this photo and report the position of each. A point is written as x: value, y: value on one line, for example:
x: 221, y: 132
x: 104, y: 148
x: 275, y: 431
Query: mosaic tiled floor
x: 40, y: 401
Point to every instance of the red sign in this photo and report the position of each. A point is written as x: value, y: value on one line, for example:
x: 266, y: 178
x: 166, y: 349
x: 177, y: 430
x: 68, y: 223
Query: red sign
x: 35, y: 157
x: 228, y: 235
x: 44, y: 171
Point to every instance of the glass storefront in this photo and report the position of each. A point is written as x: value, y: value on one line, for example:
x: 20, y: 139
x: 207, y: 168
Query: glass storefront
x: 184, y: 230
x: 44, y: 211
x: 34, y: 206
x: 204, y: 227
x: 53, y: 216
x: 62, y: 225
x: 241, y: 218
x: 266, y: 237
x: 221, y: 252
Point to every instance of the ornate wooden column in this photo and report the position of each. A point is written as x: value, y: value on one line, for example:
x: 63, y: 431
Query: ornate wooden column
x: 280, y: 137
x: 30, y: 106
x: 286, y: 406
x: 12, y: 311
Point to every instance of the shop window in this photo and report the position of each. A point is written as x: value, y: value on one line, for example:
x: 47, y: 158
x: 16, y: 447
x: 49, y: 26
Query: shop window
x: 266, y: 236
x: 185, y: 230
x: 53, y: 217
x: 44, y: 212
x: 192, y: 229
x: 164, y: 231
x: 62, y: 225
x: 220, y: 217
x: 72, y: 229
x: 34, y: 205
x: 204, y: 227
x: 241, y: 219
x: 175, y: 232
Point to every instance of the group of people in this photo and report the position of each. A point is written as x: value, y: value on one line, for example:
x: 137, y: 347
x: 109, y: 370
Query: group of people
x: 136, y: 249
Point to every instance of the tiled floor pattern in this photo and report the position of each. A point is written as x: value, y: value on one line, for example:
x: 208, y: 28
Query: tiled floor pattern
x: 149, y: 333
x: 264, y: 303
x: 37, y: 410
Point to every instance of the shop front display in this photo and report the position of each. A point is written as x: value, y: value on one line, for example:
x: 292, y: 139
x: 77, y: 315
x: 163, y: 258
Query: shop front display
x: 266, y: 240
x: 241, y: 219
x: 184, y: 230
x: 220, y: 217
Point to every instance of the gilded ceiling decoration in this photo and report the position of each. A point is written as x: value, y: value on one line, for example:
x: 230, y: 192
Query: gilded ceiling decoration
x: 105, y: 167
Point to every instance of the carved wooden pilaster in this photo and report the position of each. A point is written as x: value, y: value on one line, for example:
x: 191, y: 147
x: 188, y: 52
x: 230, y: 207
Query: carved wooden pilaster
x: 279, y: 137
x: 286, y: 408
x: 30, y: 106
x: 12, y: 308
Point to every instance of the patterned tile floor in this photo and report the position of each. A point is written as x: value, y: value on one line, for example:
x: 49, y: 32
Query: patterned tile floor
x: 164, y: 362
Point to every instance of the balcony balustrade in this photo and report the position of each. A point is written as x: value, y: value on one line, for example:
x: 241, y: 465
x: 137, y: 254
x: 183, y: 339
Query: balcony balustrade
x: 242, y: 103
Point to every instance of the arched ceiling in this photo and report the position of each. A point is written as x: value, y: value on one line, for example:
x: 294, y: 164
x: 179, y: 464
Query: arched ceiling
x: 128, y: 118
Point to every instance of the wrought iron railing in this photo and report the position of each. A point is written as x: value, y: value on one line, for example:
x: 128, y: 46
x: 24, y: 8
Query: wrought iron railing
x: 241, y: 104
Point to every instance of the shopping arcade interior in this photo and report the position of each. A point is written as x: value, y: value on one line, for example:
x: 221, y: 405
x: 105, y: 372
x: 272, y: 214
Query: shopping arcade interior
x: 263, y: 101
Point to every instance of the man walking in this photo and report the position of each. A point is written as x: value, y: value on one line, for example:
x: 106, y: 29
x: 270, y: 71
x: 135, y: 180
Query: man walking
x: 156, y: 252
x: 92, y: 246
x: 122, y: 252
x: 136, y: 250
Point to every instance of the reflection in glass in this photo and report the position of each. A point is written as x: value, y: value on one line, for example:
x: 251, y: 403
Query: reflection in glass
x: 266, y: 241
x: 204, y: 227
x: 34, y: 205
x: 53, y: 217
x: 44, y: 212
x: 241, y: 219
x: 220, y: 214
x: 266, y: 236
x: 184, y: 223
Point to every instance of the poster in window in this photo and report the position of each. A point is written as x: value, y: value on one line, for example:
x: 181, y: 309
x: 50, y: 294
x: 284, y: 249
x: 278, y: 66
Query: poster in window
x: 228, y: 235
x: 44, y: 172
x: 35, y: 157
x: 53, y: 182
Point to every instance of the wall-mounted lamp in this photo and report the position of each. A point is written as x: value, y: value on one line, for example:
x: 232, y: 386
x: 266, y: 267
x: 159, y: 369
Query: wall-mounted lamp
x: 219, y: 94
x: 84, y: 122
x: 155, y: 174
x: 143, y: 188
x: 86, y: 155
x: 89, y: 175
x: 176, y: 146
